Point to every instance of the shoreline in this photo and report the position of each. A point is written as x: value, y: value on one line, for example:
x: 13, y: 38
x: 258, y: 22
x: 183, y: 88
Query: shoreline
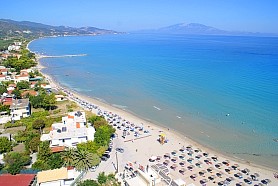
x: 128, y: 114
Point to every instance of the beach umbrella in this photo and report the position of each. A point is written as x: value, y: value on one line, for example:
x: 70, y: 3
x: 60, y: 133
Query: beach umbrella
x: 209, y: 169
x: 221, y: 183
x: 198, y: 164
x: 228, y: 170
x: 182, y: 163
x: 219, y: 174
x: 182, y: 156
x: 193, y: 176
x: 212, y: 177
x: 197, y: 150
x: 266, y: 181
x: 245, y: 171
x: 259, y: 184
x: 229, y: 179
x: 174, y: 159
x: 248, y: 180
x: 190, y: 153
x: 182, y: 149
x: 166, y: 162
x: 214, y: 158
x: 190, y: 167
x: 174, y: 152
x: 203, y: 181
x: 201, y: 173
x: 256, y: 174
x: 238, y: 175
x: 182, y: 170
x: 174, y: 166
x: 218, y: 165
x: 190, y: 160
x: 152, y: 158
x: 198, y: 156
x: 205, y: 154
x: 189, y: 147
x: 235, y: 166
x: 226, y: 162
x: 239, y: 184
x: 167, y: 155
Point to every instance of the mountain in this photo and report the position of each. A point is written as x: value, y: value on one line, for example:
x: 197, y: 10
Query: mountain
x: 11, y: 28
x: 200, y: 29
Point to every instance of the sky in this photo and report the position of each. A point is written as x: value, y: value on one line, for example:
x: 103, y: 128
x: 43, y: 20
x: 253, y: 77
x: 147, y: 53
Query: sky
x: 128, y: 15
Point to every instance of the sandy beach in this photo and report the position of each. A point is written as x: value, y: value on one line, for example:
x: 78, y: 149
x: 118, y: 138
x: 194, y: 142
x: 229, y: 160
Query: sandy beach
x: 184, y: 158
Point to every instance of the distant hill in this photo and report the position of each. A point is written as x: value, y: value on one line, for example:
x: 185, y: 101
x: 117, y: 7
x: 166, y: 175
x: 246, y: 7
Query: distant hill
x: 11, y: 28
x: 200, y: 29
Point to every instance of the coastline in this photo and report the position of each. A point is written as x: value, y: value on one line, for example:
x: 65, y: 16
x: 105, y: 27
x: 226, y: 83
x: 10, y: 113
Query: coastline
x: 176, y: 137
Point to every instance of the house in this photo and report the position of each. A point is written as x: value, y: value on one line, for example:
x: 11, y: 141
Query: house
x: 29, y: 92
x: 45, y: 86
x: 70, y: 132
x: 11, y: 87
x: 18, y: 180
x: 23, y: 76
x: 60, y: 97
x: 62, y: 177
x: 2, y: 77
x: 20, y: 108
x: 4, y: 71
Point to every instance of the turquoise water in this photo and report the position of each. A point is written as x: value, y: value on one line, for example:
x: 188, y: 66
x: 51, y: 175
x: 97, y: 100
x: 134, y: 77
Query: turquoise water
x: 220, y: 91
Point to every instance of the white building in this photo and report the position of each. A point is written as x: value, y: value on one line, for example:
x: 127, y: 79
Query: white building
x: 55, y: 177
x: 20, y: 108
x: 70, y: 132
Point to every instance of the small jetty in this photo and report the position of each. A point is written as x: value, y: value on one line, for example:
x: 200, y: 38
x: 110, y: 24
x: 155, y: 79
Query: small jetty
x: 70, y: 55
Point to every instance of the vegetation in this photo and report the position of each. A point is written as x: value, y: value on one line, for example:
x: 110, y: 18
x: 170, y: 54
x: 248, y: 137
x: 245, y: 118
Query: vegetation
x: 102, y: 180
x: 5, y: 145
x: 80, y: 159
x: 22, y: 85
x: 43, y: 100
x: 15, y: 161
x: 5, y: 108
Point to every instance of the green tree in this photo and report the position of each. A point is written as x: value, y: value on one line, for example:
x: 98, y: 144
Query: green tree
x: 3, y: 89
x: 15, y: 161
x: 44, y: 151
x: 5, y: 108
x: 40, y: 165
x: 88, y: 183
x: 103, y: 134
x: 38, y: 124
x: 5, y: 145
x: 49, y: 101
x: 32, y: 144
x: 23, y: 85
x: 16, y: 93
x: 80, y: 159
x: 101, y: 178
x: 55, y: 161
x: 37, y: 101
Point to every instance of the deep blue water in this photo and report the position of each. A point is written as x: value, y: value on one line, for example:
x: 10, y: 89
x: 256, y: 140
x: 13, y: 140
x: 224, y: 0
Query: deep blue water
x: 224, y: 89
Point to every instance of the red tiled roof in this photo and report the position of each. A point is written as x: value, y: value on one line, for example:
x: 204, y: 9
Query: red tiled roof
x: 58, y: 149
x: 8, y: 103
x: 30, y: 92
x: 18, y: 180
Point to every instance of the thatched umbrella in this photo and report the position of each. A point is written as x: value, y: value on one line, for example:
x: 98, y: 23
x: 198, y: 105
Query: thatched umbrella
x: 245, y: 171
x: 220, y: 183
x: 219, y: 174
x: 238, y: 175
x: 182, y: 149
x: 248, y: 180
x: 214, y: 158
x: 190, y: 160
x: 228, y: 170
x: 235, y: 166
x: 239, y: 184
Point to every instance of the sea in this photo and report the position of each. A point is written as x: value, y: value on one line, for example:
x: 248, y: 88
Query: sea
x: 220, y: 91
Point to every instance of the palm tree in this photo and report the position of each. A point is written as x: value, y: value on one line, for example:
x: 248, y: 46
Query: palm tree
x: 68, y: 156
x: 80, y: 159
x: 84, y: 160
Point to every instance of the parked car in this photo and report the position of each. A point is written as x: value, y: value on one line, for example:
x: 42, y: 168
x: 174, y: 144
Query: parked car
x: 121, y: 150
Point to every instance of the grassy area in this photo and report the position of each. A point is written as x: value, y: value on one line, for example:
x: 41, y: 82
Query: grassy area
x: 5, y: 43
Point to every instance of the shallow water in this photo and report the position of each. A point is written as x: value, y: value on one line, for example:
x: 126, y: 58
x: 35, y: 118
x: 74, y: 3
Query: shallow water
x: 220, y: 91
